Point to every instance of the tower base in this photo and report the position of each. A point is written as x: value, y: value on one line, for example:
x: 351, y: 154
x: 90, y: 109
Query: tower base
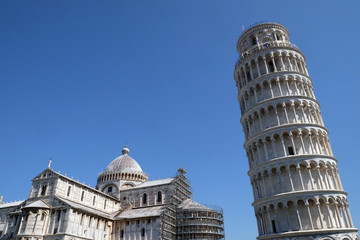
x: 332, y: 234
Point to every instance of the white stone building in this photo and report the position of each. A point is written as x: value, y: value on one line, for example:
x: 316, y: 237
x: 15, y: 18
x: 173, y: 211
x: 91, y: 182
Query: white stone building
x: 124, y: 205
x: 293, y: 173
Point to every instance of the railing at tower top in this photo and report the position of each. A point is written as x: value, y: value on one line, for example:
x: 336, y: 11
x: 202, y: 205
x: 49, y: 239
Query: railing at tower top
x: 254, y: 24
x: 264, y: 46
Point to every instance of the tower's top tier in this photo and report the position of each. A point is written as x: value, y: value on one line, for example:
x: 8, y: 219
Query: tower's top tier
x: 261, y: 35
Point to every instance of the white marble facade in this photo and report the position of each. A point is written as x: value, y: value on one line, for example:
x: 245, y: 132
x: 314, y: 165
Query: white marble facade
x: 124, y: 205
x: 296, y: 185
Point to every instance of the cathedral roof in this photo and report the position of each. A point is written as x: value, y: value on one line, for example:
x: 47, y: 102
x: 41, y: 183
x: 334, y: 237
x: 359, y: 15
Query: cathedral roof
x: 189, y: 204
x: 11, y: 204
x: 140, y: 213
x: 124, y: 163
x: 83, y: 185
x: 37, y: 204
x: 152, y: 183
x: 85, y: 208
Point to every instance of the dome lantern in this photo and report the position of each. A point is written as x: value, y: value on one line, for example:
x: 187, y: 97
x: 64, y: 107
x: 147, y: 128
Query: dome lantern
x: 125, y: 150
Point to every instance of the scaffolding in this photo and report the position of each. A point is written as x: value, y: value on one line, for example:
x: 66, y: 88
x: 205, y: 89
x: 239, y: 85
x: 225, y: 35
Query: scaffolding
x: 200, y: 222
x: 180, y: 192
x: 183, y: 219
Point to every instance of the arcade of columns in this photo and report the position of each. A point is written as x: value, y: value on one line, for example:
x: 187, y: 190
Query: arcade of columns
x: 294, y: 176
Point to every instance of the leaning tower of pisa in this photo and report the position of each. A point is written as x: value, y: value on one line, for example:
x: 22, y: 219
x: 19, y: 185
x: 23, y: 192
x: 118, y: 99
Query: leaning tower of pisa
x: 293, y: 173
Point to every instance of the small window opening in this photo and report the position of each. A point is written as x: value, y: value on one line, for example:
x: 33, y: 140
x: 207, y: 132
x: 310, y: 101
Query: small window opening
x: 110, y: 189
x: 58, y: 216
x: 253, y: 40
x: 159, y: 197
x: 82, y: 196
x: 149, y: 221
x: 55, y: 230
x: 143, y: 232
x: 127, y: 222
x: 137, y: 222
x: 68, y: 192
x: 42, y: 217
x: 43, y: 190
x: 121, y: 233
x: 248, y: 75
x: 291, y: 151
x: 105, y: 204
x: 271, y: 67
x: 144, y: 199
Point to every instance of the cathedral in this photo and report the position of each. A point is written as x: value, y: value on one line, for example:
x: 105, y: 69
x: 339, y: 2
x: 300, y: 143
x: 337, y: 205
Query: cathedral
x: 123, y: 205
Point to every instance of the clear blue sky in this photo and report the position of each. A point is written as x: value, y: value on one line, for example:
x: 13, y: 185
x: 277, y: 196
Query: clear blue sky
x: 79, y: 79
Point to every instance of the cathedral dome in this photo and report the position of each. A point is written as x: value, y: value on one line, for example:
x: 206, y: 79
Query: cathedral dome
x: 124, y: 163
x: 123, y: 168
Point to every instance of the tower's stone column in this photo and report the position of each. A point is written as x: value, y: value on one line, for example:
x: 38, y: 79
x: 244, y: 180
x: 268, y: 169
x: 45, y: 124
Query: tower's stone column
x: 294, y: 175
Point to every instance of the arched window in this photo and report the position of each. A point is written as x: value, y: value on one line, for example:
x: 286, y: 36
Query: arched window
x: 159, y: 197
x: 144, y: 199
